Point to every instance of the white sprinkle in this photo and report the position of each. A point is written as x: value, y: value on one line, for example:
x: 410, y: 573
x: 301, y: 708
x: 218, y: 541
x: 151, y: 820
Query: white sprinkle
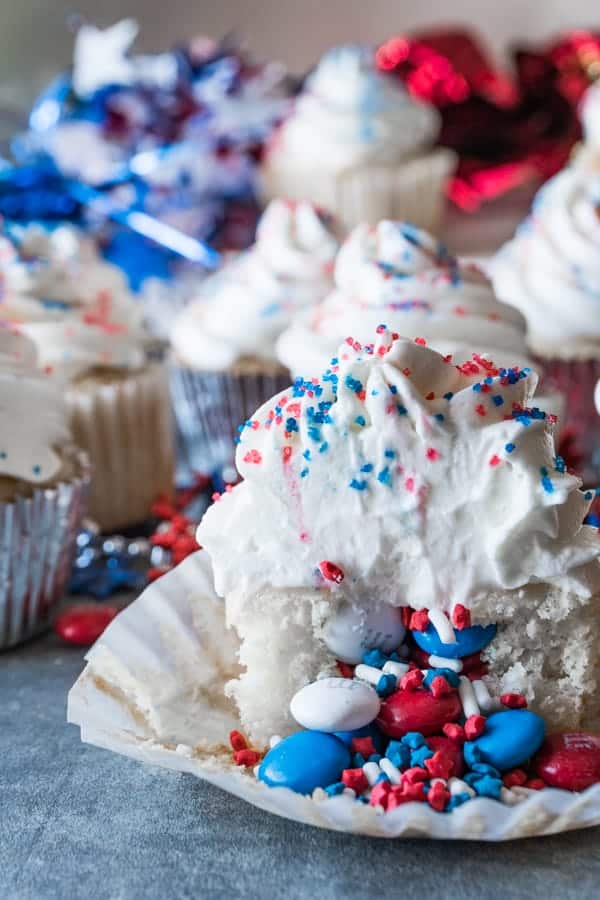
x: 395, y: 668
x: 319, y: 794
x: 508, y: 797
x: 484, y: 699
x: 276, y: 739
x: 372, y: 772
x: 367, y: 673
x: 442, y: 662
x: 443, y: 626
x: 387, y: 766
x: 458, y: 786
x: 467, y: 697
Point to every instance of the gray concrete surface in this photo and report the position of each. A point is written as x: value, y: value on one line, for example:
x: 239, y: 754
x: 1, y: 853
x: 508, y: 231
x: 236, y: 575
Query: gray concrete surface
x: 77, y: 822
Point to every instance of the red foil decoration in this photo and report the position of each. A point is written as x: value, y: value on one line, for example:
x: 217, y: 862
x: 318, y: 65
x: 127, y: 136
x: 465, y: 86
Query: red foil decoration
x: 507, y: 129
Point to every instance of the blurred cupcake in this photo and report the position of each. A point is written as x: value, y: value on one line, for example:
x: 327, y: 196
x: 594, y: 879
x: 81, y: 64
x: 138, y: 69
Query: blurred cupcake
x: 358, y: 145
x: 550, y: 271
x: 400, y: 276
x: 43, y: 482
x: 223, y: 344
x: 90, y: 341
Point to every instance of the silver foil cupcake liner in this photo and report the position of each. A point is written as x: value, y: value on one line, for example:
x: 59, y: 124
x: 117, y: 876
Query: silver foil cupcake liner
x: 580, y: 425
x: 209, y: 407
x: 37, y: 543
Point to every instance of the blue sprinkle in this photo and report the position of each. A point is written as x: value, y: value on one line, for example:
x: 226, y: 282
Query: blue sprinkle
x: 382, y: 777
x: 304, y: 473
x: 498, y: 400
x: 324, y: 446
x: 485, y: 769
x: 487, y: 786
x: 375, y: 757
x: 332, y: 790
x: 402, y: 411
x: 291, y: 425
x: 386, y: 685
x: 418, y: 757
x: 368, y: 467
x: 358, y: 485
x: 360, y: 420
x: 385, y: 476
x: 374, y: 658
x: 587, y: 496
x: 413, y: 739
x: 439, y: 417
x: 306, y: 455
x: 477, y: 388
x: 390, y: 454
x: 36, y: 470
x: 448, y: 674
x: 457, y: 800
x: 448, y: 396
x: 471, y: 753
x: 358, y: 761
x: 510, y: 447
x: 393, y: 389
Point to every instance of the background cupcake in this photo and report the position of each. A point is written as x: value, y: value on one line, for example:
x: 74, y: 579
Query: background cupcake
x: 550, y: 271
x: 358, y: 145
x: 90, y: 341
x: 43, y: 481
x: 400, y: 276
x: 223, y: 344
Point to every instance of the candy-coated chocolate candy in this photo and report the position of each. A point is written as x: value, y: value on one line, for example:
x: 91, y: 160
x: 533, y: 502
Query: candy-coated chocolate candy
x: 419, y: 711
x: 468, y: 640
x: 83, y: 623
x: 451, y: 749
x: 304, y: 761
x: 335, y: 704
x: 510, y: 738
x: 350, y: 632
x: 569, y: 761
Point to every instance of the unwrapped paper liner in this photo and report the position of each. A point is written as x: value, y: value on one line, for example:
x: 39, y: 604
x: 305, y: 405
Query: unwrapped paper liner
x: 126, y: 428
x: 37, y: 545
x: 153, y: 690
x: 209, y: 407
x: 412, y: 191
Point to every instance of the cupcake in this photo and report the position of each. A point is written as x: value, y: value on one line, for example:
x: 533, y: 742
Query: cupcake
x: 43, y: 483
x: 402, y: 508
x: 223, y: 344
x: 90, y: 341
x: 550, y: 271
x: 400, y: 275
x: 359, y: 146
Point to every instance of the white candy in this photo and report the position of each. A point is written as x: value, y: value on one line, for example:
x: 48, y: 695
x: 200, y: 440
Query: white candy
x: 467, y: 697
x: 368, y: 673
x: 351, y: 632
x: 443, y: 626
x: 395, y: 668
x: 335, y: 704
x: 458, y: 786
x: 387, y: 766
x: 372, y: 772
x: 441, y: 662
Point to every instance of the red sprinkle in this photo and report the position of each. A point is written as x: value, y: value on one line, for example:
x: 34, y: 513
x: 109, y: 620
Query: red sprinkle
x: 411, y: 792
x: 346, y: 671
x: 461, y: 617
x: 514, y: 778
x: 438, y: 796
x: 412, y: 680
x: 331, y: 572
x: 474, y: 727
x: 253, y: 456
x: 535, y: 784
x: 439, y: 687
x: 432, y: 454
x: 237, y: 740
x: 380, y: 793
x: 419, y: 620
x: 246, y: 757
x: 495, y: 460
x: 364, y: 746
x: 83, y: 623
x: 454, y: 732
x: 439, y: 765
x: 414, y: 775
x: 355, y: 779
x: 513, y: 701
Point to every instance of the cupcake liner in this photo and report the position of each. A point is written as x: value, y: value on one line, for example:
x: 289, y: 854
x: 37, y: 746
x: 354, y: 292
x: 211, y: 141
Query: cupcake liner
x: 209, y: 407
x: 576, y: 381
x: 37, y: 544
x: 126, y: 428
x: 413, y: 190
x: 153, y: 690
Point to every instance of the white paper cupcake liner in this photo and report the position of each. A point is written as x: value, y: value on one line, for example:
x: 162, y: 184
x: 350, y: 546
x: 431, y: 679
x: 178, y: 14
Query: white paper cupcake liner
x: 126, y: 428
x: 413, y: 191
x: 37, y: 544
x: 209, y: 407
x: 153, y: 690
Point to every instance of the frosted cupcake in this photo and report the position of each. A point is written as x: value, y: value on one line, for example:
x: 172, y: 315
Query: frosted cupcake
x: 43, y: 481
x: 223, y: 344
x: 401, y: 276
x: 550, y: 271
x: 358, y: 145
x: 90, y: 342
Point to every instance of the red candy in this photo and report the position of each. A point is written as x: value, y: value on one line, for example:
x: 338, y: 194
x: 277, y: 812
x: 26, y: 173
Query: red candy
x: 420, y: 711
x: 331, y: 572
x: 513, y: 701
x: 569, y: 761
x: 474, y: 727
x: 452, y: 750
x: 83, y: 623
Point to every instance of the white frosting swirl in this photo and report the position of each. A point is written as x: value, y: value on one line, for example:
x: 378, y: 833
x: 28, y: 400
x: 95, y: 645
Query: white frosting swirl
x: 550, y: 270
x: 75, y: 307
x: 242, y: 309
x: 401, y: 276
x: 350, y: 113
x: 32, y: 412
x: 428, y: 485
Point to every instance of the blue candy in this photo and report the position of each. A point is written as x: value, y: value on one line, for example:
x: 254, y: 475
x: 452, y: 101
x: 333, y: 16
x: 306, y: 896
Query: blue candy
x: 468, y: 640
x: 304, y: 761
x: 510, y: 738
